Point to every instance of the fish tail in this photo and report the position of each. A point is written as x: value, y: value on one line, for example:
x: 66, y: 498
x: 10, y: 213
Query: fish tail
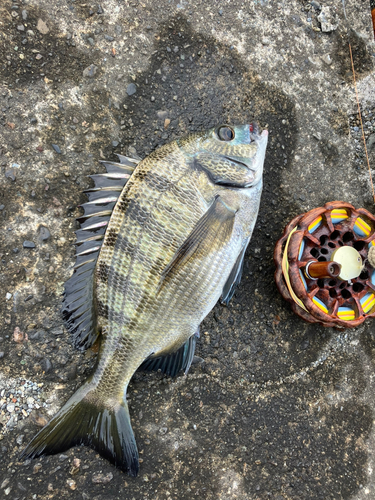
x: 105, y: 428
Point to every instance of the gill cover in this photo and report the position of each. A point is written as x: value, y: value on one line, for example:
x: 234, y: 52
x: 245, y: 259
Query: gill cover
x: 232, y: 156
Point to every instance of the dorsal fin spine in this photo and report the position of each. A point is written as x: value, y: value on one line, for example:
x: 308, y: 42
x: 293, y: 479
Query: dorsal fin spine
x: 79, y: 309
x: 90, y: 250
x: 101, y: 201
x: 97, y: 237
x: 95, y: 226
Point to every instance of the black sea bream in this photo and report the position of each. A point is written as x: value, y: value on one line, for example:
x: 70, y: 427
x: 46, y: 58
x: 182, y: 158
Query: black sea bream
x: 161, y: 240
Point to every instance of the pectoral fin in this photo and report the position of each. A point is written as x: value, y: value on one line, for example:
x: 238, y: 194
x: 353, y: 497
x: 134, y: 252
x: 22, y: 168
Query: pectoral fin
x: 235, y: 277
x: 212, y: 231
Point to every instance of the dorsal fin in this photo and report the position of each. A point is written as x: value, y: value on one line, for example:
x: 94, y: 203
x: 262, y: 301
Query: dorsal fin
x: 78, y: 307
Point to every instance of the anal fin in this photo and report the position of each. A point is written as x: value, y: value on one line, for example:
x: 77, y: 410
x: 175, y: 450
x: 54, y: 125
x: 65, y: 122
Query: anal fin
x: 172, y: 363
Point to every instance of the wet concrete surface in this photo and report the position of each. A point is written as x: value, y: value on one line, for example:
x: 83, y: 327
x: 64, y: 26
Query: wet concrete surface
x: 278, y: 408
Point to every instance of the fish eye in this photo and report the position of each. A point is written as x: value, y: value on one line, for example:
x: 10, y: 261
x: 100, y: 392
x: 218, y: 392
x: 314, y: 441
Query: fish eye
x: 225, y: 133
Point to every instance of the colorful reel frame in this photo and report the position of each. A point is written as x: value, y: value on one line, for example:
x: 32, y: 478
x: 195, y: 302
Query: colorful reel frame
x: 314, y: 236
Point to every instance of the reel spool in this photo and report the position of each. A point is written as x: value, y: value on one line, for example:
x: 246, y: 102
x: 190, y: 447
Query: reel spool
x: 325, y: 264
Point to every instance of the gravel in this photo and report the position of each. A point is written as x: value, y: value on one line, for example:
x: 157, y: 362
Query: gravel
x: 18, y: 398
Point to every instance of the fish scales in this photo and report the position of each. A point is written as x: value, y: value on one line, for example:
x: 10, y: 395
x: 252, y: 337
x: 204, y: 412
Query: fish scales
x: 174, y: 244
x: 154, y: 244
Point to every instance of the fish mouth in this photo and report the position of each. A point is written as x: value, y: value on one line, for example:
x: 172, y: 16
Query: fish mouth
x: 261, y: 139
x: 255, y: 134
x: 254, y: 129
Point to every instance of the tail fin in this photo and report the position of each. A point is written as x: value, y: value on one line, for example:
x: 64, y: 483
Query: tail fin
x: 105, y: 429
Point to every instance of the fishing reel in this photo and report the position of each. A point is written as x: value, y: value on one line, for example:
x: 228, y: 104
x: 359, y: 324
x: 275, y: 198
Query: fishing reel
x: 325, y: 265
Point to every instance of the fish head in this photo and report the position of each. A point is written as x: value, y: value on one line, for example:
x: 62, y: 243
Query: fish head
x: 232, y: 156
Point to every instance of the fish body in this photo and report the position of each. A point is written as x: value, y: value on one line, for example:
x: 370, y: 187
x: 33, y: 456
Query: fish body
x: 146, y: 278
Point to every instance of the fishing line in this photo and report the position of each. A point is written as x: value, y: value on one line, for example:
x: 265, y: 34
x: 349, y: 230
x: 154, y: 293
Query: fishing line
x: 358, y: 105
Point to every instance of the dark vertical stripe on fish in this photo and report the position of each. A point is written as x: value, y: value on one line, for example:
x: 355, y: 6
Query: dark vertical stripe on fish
x: 103, y: 309
x: 110, y: 238
x: 103, y: 270
x: 137, y: 212
x: 123, y: 204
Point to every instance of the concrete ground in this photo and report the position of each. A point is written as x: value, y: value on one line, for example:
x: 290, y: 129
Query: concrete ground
x: 279, y: 408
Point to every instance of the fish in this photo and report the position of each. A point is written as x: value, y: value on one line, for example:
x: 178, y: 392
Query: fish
x: 161, y: 241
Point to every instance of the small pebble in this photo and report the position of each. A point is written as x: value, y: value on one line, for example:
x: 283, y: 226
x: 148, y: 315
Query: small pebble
x: 58, y: 330
x: 19, y: 439
x: 11, y: 407
x: 28, y: 244
x: 44, y: 233
x: 56, y: 148
x: 131, y: 89
x: 19, y: 336
x: 10, y: 175
x: 328, y: 19
x: 101, y: 478
x: 370, y: 144
x: 37, y: 468
x: 327, y: 59
x: 315, y: 5
x: 5, y: 483
x: 90, y: 71
x: 71, y: 483
x: 42, y: 27
x: 162, y: 114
